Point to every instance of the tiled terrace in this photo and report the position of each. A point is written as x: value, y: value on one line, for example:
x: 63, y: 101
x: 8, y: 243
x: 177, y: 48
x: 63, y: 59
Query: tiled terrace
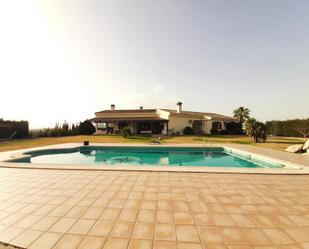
x: 113, y: 210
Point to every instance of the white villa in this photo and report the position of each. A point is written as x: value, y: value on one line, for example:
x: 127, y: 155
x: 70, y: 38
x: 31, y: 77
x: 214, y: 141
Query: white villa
x: 159, y: 121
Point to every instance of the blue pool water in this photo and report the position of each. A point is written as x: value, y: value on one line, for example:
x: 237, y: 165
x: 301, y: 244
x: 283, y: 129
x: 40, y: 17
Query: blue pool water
x: 154, y: 156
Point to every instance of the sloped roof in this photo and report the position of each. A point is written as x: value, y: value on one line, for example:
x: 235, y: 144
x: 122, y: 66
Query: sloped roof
x: 151, y: 114
x: 131, y: 114
x: 211, y: 115
x: 127, y: 110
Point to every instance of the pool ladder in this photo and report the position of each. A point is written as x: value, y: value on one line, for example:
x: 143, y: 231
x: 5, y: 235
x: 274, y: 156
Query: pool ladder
x: 209, y: 147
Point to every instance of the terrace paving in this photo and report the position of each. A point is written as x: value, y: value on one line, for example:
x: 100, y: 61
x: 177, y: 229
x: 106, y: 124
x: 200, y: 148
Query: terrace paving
x: 81, y: 209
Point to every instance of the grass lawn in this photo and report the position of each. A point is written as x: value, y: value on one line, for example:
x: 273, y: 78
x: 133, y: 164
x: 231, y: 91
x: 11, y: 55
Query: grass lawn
x: 278, y: 143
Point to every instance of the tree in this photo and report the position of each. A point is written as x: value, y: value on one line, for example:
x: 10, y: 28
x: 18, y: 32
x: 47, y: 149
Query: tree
x: 241, y: 114
x: 302, y: 127
x: 86, y: 128
x: 125, y: 132
x: 256, y: 130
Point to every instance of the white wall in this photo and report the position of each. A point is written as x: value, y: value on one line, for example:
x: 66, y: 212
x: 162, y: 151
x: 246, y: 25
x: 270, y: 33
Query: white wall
x: 207, y: 126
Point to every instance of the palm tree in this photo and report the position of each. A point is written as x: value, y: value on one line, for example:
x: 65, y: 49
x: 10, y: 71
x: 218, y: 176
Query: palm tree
x: 241, y: 114
x: 256, y: 130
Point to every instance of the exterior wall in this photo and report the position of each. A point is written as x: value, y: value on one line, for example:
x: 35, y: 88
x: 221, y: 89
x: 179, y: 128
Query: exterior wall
x: 163, y: 114
x: 207, y: 126
x: 177, y: 124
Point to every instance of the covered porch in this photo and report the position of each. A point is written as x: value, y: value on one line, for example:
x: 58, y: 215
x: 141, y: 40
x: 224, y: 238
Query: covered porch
x: 137, y: 126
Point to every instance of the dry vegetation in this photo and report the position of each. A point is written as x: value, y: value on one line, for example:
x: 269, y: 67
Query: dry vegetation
x: 278, y: 143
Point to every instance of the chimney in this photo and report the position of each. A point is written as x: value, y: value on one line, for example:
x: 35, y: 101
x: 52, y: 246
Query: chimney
x: 141, y: 108
x: 179, y: 107
x: 112, y: 107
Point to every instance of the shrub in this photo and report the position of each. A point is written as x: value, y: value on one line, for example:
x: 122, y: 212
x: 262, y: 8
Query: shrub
x: 234, y: 128
x: 125, y: 132
x: 214, y: 131
x: 7, y: 128
x: 188, y: 130
x: 86, y: 128
x: 288, y: 128
x: 256, y: 130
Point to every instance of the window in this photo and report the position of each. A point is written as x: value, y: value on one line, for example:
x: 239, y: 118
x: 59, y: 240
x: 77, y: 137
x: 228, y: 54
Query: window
x: 217, y: 125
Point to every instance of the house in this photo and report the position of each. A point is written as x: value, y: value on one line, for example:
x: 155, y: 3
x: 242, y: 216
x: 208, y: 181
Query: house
x: 159, y: 121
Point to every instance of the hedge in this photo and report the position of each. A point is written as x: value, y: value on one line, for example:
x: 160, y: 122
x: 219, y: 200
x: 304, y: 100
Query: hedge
x: 7, y: 128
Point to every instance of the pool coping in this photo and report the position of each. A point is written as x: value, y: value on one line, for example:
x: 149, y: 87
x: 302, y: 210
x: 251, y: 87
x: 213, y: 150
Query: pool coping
x: 294, y: 168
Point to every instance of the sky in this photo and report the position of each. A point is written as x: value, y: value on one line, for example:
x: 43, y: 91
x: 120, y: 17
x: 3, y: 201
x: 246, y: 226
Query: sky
x: 66, y: 59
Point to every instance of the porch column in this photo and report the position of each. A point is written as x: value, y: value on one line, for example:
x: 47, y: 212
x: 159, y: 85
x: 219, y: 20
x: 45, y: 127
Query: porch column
x: 106, y: 127
x: 165, y: 128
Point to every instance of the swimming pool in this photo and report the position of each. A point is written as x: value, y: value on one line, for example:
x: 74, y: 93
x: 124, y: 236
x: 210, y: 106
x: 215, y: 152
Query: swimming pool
x: 148, y: 156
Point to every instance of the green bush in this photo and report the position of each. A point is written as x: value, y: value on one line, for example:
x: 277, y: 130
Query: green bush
x: 60, y: 130
x: 7, y: 128
x: 288, y: 128
x: 256, y: 130
x: 188, y: 130
x: 86, y: 128
x: 233, y: 128
x: 125, y: 132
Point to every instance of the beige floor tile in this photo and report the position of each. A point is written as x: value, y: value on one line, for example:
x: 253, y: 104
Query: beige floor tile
x: 180, y: 206
x: 262, y: 220
x: 86, y: 202
x: 187, y: 233
x: 148, y: 204
x: 44, y: 223
x: 132, y: 204
x: 101, y: 228
x: 116, y: 243
x: 277, y: 236
x: 26, y: 238
x: 183, y: 218
x: 46, y: 241
x: 146, y: 216
x: 255, y: 236
x: 140, y: 244
x: 27, y: 221
x: 82, y: 226
x: 45, y: 209
x: 76, y: 212
x: 69, y: 241
x: 3, y: 227
x: 242, y: 220
x: 222, y: 219
x: 150, y: 196
x: 228, y: 211
x: 210, y: 235
x: 116, y: 203
x: 12, y: 219
x: 10, y: 233
x: 128, y: 214
x: 62, y: 225
x: 60, y: 210
x: 110, y: 214
x: 203, y: 219
x: 240, y: 247
x: 182, y: 245
x: 92, y: 213
x: 165, y: 232
x: 122, y: 229
x: 164, y: 205
x: 92, y: 242
x: 143, y: 231
x: 164, y: 217
x: 232, y: 236
x: 164, y: 245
